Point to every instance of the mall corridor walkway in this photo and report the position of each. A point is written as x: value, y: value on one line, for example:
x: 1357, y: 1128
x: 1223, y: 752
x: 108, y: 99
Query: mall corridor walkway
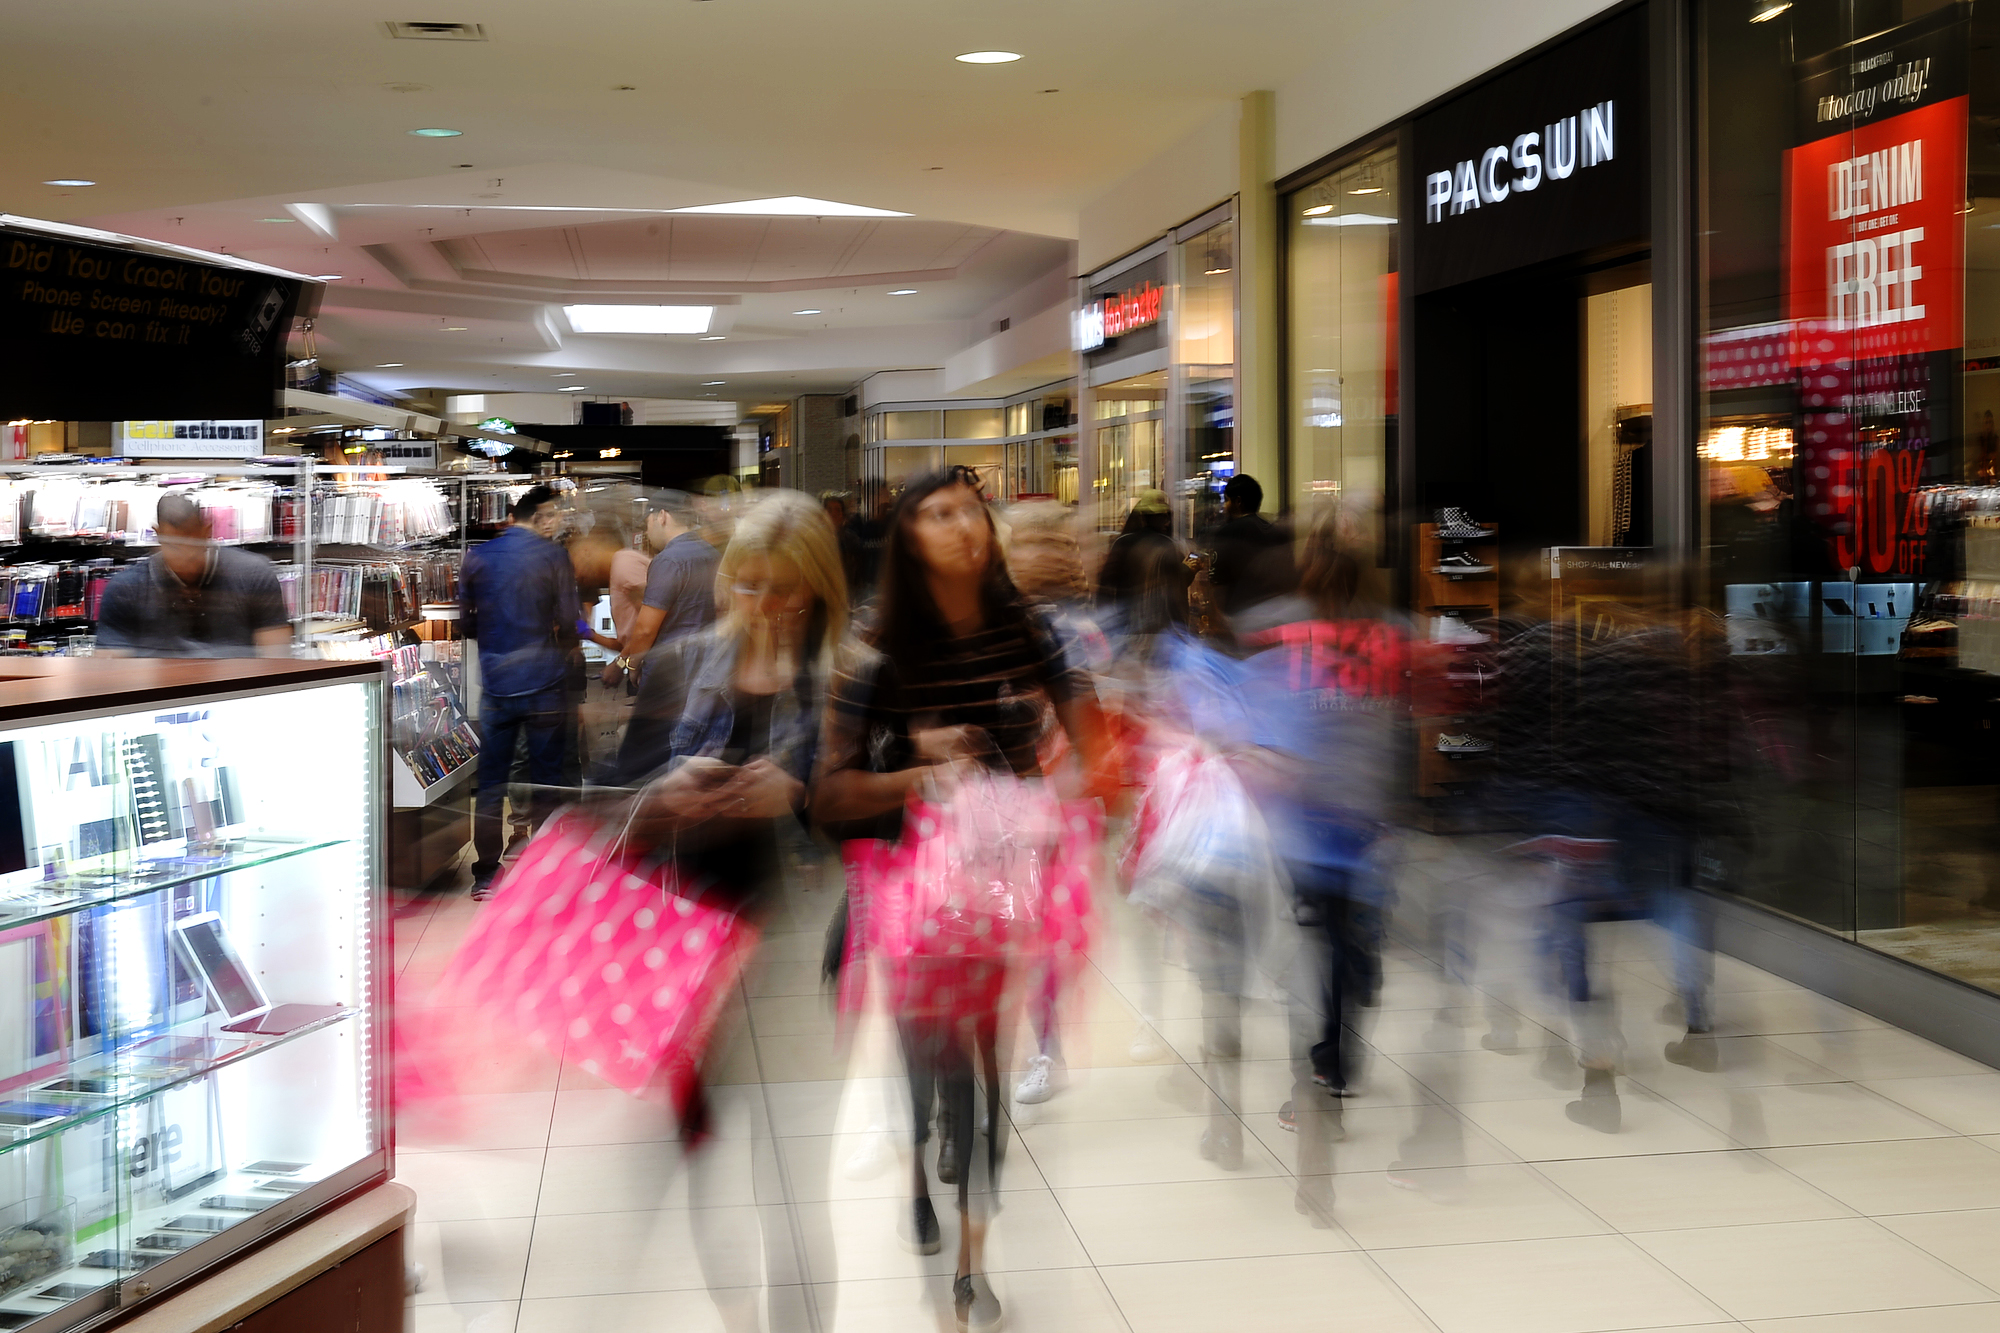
x: 1829, y: 1174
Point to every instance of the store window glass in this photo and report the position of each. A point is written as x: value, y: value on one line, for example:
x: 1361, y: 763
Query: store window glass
x: 1851, y: 378
x: 1128, y: 420
x: 1342, y: 303
x: 912, y: 426
x: 1205, y: 363
x: 973, y: 423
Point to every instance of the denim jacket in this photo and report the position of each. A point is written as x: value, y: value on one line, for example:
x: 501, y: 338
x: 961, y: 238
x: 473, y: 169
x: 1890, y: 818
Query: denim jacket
x: 687, y: 707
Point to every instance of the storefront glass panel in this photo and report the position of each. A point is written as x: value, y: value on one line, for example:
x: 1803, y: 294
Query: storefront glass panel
x: 1205, y: 370
x: 1342, y: 304
x: 1128, y: 436
x: 1850, y: 335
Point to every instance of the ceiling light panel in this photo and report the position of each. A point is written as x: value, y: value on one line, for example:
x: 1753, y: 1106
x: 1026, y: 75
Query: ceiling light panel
x: 793, y: 206
x: 988, y: 57
x: 639, y: 318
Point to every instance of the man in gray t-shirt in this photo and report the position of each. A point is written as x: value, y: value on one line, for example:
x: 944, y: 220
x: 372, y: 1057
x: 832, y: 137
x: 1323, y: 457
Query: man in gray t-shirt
x: 193, y: 598
x: 680, y: 583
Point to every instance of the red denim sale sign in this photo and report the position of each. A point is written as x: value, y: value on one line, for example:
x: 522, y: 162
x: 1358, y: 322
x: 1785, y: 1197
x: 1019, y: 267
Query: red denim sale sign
x: 1875, y: 233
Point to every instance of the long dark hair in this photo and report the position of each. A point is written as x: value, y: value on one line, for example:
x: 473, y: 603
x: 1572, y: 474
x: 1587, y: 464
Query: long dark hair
x: 907, y: 625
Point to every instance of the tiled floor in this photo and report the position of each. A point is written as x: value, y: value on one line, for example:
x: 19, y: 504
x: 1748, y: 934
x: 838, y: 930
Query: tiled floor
x: 1830, y: 1175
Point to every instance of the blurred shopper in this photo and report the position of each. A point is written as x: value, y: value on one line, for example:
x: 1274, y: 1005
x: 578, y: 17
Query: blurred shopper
x: 1251, y: 556
x: 852, y: 558
x: 722, y: 742
x: 955, y: 669
x: 680, y: 582
x: 1329, y: 689
x: 1046, y: 564
x: 625, y: 581
x: 518, y: 594
x: 192, y: 598
x: 1131, y: 592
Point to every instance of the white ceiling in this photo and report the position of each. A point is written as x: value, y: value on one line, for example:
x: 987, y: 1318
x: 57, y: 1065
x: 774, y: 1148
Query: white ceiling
x: 202, y: 117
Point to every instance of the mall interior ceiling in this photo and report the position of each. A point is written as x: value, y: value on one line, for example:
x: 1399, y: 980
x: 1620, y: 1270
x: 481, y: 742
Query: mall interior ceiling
x: 462, y: 171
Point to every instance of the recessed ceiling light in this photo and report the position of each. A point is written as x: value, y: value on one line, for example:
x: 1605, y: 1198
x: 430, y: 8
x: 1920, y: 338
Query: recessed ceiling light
x: 327, y: 277
x: 805, y: 312
x: 277, y: 219
x: 639, y: 318
x: 563, y: 375
x: 388, y: 365
x: 904, y: 291
x: 1366, y: 189
x: 79, y: 184
x: 713, y: 338
x: 1319, y: 210
x: 793, y: 206
x: 574, y: 388
x: 454, y: 328
x: 987, y: 57
x: 436, y: 134
x: 706, y: 383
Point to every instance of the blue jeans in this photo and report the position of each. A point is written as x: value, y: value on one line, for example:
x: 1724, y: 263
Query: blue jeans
x: 501, y: 721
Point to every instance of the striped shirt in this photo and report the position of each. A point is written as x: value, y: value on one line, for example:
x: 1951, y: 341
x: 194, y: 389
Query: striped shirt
x: 1005, y: 681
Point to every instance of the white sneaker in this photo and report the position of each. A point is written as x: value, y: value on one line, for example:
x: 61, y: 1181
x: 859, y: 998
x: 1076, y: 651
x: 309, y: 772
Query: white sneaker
x: 1147, y: 1048
x: 1040, y: 1082
x: 1462, y: 743
x: 870, y: 1158
x: 1452, y: 630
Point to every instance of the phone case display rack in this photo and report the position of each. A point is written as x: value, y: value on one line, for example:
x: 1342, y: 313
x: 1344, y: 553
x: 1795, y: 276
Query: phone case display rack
x: 1458, y: 606
x: 192, y: 985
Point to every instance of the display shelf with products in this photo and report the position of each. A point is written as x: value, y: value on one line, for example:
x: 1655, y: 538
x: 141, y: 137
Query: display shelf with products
x: 1455, y: 587
x: 191, y: 974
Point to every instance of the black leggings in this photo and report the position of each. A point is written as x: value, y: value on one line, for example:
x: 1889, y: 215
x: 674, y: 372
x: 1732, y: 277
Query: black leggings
x: 939, y: 1055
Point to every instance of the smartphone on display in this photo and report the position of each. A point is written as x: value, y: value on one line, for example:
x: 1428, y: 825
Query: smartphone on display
x: 286, y: 1186
x: 65, y: 1291
x: 171, y: 1244
x: 236, y: 1203
x: 195, y: 1222
x: 15, y: 1319
x: 124, y: 1261
x: 276, y: 1168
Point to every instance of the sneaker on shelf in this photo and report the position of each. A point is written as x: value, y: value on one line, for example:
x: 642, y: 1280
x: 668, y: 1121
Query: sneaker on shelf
x: 1462, y: 743
x: 1461, y: 562
x: 1471, y: 673
x: 1039, y: 1083
x: 1453, y: 525
x: 1451, y: 630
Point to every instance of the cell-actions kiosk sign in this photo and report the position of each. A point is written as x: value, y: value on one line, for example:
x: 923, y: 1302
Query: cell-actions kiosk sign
x: 1875, y: 282
x: 91, y: 330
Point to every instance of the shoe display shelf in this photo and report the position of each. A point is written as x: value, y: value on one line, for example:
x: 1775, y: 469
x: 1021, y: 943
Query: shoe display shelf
x: 1452, y: 603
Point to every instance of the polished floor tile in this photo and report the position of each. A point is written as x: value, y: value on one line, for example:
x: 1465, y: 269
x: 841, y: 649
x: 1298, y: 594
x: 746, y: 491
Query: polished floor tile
x: 1816, y: 1171
x: 1878, y: 1053
x: 1969, y: 1241
x: 1579, y: 1284
x: 1784, y: 1269
x: 1134, y: 1152
x: 1328, y: 1293
x: 1782, y: 1117
x: 1194, y: 1220
x: 1909, y: 1176
x: 1928, y: 1319
x: 1966, y: 1103
x: 1538, y: 1131
x: 1669, y: 1191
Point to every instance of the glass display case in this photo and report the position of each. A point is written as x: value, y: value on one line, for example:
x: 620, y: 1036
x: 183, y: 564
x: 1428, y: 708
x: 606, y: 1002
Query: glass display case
x: 191, y: 988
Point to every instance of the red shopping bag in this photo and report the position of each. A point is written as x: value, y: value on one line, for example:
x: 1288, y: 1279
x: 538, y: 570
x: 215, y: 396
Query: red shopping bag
x: 585, y: 951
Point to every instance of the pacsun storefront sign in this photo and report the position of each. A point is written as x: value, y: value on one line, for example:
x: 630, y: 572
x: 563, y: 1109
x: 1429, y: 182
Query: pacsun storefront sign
x: 1546, y: 160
